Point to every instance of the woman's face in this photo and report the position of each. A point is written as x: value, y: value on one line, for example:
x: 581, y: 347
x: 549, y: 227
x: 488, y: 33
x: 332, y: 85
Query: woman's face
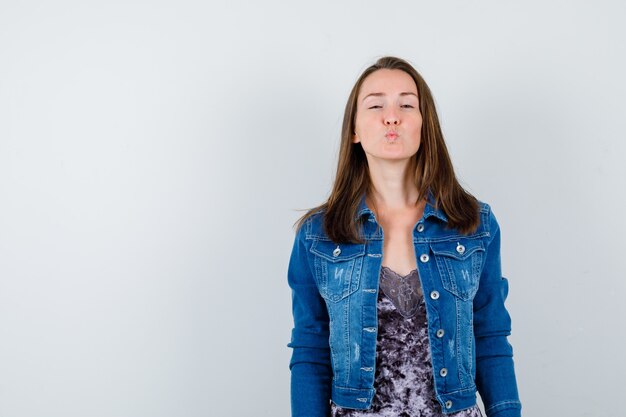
x: 388, y: 104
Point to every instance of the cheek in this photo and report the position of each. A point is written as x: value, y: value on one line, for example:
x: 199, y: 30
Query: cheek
x: 364, y: 123
x: 358, y: 121
x: 418, y: 123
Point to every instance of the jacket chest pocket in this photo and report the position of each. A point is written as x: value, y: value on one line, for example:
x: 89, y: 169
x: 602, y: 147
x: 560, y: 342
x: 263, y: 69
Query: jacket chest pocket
x: 459, y: 263
x: 337, y: 268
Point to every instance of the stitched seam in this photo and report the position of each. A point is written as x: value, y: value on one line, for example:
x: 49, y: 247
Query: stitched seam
x: 503, y: 404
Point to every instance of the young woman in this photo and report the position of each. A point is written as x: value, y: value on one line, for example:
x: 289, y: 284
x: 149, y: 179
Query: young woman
x: 398, y: 296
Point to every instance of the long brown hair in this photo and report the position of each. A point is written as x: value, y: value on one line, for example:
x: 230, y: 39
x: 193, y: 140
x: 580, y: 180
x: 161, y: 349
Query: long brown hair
x: 433, y: 168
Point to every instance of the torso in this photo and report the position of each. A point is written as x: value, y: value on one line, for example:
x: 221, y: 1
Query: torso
x: 404, y: 375
x: 398, y: 250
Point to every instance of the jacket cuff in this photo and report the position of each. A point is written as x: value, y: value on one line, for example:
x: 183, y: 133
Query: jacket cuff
x: 510, y: 408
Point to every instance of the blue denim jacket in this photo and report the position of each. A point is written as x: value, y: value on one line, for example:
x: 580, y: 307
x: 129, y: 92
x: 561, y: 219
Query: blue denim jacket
x: 334, y: 296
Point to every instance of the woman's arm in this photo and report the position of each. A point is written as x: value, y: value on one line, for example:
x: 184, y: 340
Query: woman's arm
x: 310, y: 365
x: 495, y: 373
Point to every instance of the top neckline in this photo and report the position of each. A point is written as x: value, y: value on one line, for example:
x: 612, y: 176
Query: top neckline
x: 401, y: 276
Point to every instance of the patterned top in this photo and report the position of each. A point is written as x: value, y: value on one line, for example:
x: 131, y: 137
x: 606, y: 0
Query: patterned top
x: 404, y: 377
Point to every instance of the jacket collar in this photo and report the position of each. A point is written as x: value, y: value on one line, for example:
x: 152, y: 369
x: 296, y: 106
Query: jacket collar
x: 429, y: 209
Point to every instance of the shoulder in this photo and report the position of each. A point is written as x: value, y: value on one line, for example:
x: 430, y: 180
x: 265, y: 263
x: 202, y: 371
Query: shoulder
x: 312, y: 227
x: 488, y: 220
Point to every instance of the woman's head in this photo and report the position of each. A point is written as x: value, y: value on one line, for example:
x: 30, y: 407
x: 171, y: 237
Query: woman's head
x: 387, y: 118
x: 408, y: 108
x: 429, y: 150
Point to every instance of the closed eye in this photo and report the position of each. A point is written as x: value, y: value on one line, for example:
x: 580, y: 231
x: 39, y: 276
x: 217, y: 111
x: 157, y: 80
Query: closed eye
x: 404, y: 105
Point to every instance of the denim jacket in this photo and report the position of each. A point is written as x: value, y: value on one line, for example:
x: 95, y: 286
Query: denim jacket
x: 334, y: 303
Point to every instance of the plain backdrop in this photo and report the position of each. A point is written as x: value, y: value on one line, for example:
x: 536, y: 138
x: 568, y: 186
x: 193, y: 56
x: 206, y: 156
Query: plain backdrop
x: 153, y: 156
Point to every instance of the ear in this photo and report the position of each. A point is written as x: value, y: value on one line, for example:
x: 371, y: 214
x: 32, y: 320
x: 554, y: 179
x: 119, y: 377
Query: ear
x: 355, y: 138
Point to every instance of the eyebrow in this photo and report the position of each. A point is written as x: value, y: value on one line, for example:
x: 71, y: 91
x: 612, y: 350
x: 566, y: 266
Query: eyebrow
x: 405, y: 93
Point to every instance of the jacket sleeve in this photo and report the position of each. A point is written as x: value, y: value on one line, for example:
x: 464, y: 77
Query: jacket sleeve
x: 310, y: 365
x: 495, y: 373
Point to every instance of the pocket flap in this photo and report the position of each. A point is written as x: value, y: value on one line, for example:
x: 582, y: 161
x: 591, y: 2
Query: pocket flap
x: 334, y: 252
x: 459, y: 249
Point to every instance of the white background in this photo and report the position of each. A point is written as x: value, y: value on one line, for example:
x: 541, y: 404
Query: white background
x: 152, y: 156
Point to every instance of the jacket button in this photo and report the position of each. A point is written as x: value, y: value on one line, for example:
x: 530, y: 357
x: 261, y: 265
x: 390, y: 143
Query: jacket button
x: 448, y: 404
x: 460, y: 248
x: 420, y: 227
x: 440, y: 333
x: 337, y: 251
x: 424, y: 257
x: 434, y: 294
x: 443, y: 372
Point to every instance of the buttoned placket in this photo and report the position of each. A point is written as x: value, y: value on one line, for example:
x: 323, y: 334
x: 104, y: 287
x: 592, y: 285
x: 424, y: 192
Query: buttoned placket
x: 434, y: 294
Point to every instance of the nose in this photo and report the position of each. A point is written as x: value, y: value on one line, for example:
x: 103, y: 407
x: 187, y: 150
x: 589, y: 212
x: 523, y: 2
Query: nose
x: 391, y: 118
